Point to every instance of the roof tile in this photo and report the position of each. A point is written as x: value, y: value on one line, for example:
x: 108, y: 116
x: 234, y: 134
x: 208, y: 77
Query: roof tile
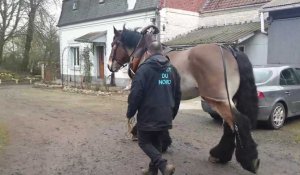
x: 221, y: 34
x: 212, y: 5
x: 89, y: 10
x: 278, y: 3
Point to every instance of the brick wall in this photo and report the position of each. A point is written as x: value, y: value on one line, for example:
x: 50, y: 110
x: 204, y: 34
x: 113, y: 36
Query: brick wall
x: 188, y: 5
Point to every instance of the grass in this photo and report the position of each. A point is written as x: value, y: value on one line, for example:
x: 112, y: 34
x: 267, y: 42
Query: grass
x: 3, y: 136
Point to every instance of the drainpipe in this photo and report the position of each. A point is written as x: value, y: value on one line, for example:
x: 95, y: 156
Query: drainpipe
x: 157, y: 16
x: 262, y: 23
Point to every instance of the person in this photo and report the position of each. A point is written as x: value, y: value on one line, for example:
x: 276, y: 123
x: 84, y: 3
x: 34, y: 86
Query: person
x: 155, y: 95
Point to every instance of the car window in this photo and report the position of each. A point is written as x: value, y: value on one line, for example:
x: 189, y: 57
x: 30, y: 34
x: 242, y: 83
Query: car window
x: 288, y: 77
x: 297, y: 71
x: 262, y: 75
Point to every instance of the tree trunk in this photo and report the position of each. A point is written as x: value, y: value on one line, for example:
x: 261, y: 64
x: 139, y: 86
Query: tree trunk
x: 1, y: 52
x: 29, y: 37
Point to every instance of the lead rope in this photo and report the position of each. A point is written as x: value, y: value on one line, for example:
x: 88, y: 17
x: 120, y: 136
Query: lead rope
x: 236, y: 129
x: 130, y: 124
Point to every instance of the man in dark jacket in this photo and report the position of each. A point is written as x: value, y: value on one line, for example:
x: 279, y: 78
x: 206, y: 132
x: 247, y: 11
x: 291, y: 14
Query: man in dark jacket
x: 155, y: 94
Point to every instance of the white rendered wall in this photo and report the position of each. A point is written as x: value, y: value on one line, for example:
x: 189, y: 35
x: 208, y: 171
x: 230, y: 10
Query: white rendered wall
x: 177, y: 22
x: 229, y: 17
x: 257, y: 49
x: 71, y: 32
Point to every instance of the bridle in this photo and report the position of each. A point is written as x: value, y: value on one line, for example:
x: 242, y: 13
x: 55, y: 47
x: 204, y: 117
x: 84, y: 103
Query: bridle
x: 114, y: 59
x: 134, y: 54
x: 131, y: 56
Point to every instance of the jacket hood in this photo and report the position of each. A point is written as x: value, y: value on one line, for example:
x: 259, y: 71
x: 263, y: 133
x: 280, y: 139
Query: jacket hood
x: 158, y: 62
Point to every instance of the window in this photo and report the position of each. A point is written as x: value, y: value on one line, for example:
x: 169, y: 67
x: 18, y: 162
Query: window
x: 75, y: 4
x: 75, y: 55
x: 241, y: 48
x: 297, y: 71
x: 288, y: 77
x: 262, y: 75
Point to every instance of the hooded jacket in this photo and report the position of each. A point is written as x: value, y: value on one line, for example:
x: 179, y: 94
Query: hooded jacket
x: 155, y: 94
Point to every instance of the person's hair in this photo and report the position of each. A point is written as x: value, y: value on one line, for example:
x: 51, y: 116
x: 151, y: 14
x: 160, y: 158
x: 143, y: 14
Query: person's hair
x: 155, y: 47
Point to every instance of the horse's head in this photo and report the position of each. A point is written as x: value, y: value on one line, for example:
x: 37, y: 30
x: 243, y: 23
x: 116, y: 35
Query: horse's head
x: 119, y: 55
x: 130, y: 46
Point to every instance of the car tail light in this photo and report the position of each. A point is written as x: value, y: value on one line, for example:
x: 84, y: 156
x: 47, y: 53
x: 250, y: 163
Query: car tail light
x: 260, y: 95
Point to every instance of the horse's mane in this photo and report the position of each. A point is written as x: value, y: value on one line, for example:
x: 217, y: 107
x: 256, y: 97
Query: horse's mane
x: 130, y: 38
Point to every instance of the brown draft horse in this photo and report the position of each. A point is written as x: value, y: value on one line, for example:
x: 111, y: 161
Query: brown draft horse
x: 222, y: 77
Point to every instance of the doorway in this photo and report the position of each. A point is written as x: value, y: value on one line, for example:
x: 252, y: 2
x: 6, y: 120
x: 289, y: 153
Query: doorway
x: 100, y: 55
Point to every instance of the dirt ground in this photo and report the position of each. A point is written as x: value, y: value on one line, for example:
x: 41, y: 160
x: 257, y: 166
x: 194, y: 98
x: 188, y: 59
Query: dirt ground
x: 50, y: 132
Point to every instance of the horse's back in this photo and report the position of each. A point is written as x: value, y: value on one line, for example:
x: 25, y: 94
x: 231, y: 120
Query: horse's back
x: 203, y: 64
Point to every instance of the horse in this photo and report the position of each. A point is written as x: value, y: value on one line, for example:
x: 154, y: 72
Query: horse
x: 223, y: 77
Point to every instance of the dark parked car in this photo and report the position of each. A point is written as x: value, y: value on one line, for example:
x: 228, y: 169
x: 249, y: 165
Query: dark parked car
x: 278, y: 91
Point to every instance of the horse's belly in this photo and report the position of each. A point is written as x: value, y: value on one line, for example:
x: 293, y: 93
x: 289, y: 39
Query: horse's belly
x: 189, y: 87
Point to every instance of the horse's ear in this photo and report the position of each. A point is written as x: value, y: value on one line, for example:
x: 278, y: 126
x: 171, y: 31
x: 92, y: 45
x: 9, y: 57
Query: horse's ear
x: 117, y: 33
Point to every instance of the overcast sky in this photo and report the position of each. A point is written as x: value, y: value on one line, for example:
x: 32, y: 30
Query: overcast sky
x: 55, y: 10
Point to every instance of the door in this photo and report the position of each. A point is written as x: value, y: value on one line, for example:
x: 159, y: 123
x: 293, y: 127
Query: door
x: 291, y: 86
x: 100, y: 50
x: 297, y: 101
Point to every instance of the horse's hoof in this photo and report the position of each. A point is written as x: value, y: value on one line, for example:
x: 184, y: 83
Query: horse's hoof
x: 253, y: 166
x: 216, y: 160
x: 213, y: 159
x: 256, y: 164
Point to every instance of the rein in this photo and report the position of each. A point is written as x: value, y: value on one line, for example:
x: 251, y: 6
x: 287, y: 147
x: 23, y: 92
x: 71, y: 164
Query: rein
x: 130, y: 69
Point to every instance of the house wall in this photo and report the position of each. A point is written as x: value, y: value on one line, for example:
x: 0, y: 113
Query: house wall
x: 71, y: 32
x: 229, y: 17
x: 256, y: 49
x: 284, y: 39
x: 177, y: 22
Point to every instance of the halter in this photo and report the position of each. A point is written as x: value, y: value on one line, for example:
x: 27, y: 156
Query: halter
x: 114, y: 54
x: 132, y: 55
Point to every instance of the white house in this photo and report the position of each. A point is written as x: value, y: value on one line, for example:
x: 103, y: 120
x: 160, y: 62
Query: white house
x: 89, y: 23
x: 230, y: 22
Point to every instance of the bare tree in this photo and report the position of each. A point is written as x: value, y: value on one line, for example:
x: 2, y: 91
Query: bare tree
x: 34, y: 7
x: 10, y: 13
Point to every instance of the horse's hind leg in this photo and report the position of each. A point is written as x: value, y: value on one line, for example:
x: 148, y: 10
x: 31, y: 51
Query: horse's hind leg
x: 246, y: 152
x: 222, y: 153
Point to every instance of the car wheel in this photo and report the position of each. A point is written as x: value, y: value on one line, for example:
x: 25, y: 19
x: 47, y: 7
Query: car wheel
x: 277, y: 116
x: 215, y: 116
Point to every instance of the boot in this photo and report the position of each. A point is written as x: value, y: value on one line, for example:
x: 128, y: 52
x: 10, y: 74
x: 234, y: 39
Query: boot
x: 149, y: 172
x: 169, y: 169
x: 134, y: 138
x: 152, y: 170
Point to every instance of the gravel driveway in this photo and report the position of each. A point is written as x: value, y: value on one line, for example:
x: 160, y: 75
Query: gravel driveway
x: 50, y: 132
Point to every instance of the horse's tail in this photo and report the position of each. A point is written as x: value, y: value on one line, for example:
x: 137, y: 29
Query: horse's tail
x: 246, y: 96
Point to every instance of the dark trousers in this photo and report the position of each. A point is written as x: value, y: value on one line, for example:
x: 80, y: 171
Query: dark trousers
x: 150, y: 143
